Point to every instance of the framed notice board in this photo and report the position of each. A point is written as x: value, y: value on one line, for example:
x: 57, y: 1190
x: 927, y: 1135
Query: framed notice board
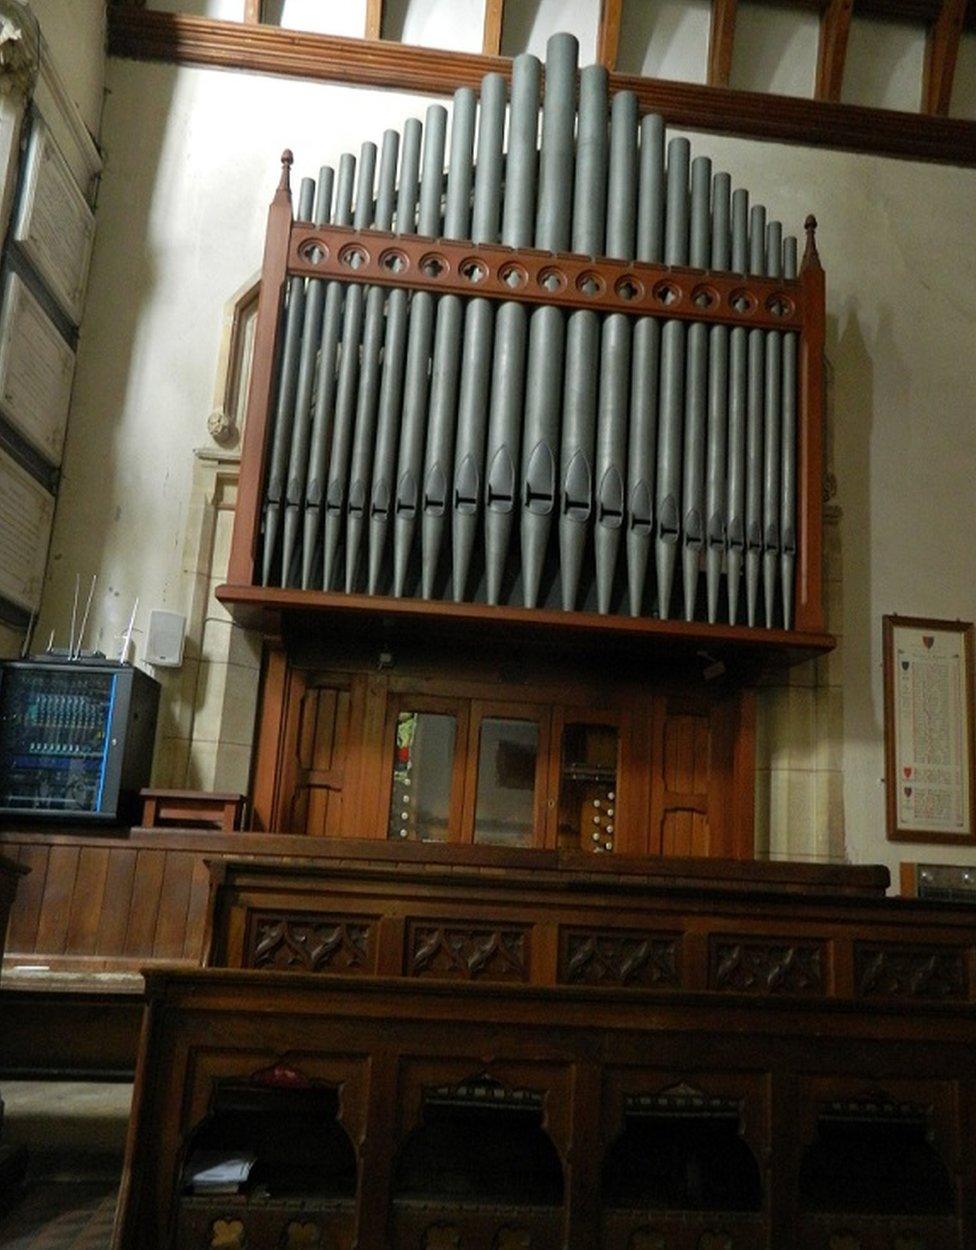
x: 930, y: 763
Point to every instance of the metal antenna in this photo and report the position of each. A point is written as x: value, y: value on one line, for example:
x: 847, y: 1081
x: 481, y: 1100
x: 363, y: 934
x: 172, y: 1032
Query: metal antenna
x: 84, y: 619
x: 74, y: 615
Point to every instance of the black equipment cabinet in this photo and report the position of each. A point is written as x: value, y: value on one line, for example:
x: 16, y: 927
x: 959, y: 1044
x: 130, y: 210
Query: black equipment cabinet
x: 76, y: 738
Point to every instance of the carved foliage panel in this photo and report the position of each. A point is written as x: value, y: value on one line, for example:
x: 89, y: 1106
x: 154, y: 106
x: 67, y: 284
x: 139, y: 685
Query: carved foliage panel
x: 620, y: 957
x: 767, y: 966
x: 286, y: 942
x: 887, y: 970
x: 456, y: 950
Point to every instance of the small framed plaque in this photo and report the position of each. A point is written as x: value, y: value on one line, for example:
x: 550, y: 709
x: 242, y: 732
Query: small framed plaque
x: 54, y: 227
x: 930, y: 762
x: 36, y: 370
x: 26, y: 514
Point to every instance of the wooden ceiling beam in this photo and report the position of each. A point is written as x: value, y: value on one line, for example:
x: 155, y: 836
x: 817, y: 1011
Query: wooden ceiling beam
x: 491, y: 43
x: 835, y: 25
x: 608, y: 33
x: 941, y: 50
x: 187, y: 40
x: 721, y: 34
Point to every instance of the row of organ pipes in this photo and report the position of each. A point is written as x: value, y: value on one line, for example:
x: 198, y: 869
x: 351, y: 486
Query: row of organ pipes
x: 398, y: 407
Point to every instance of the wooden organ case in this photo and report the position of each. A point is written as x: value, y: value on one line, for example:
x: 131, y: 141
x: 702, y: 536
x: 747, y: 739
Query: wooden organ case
x: 530, y: 498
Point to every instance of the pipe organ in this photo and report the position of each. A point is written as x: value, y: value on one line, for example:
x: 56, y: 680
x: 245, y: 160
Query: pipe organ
x: 578, y: 371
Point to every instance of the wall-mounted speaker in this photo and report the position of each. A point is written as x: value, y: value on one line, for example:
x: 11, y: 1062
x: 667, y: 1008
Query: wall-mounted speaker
x: 164, y: 642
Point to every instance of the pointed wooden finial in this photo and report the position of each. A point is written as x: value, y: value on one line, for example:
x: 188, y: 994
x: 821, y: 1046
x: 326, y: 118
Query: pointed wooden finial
x: 811, y: 257
x: 287, y: 160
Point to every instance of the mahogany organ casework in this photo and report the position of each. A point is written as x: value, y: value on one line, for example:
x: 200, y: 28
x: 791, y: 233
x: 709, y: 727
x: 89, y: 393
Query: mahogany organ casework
x: 579, y: 373
x: 567, y: 394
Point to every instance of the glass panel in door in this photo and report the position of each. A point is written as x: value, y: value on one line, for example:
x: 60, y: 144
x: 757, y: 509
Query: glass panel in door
x: 508, y: 753
x: 423, y: 776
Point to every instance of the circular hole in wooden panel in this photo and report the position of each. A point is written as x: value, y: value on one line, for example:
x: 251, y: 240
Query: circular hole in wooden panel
x: 312, y: 251
x: 628, y: 288
x: 590, y: 283
x: 704, y: 297
x: 394, y: 261
x: 551, y: 279
x: 780, y: 305
x: 353, y: 256
x: 666, y: 293
x: 742, y: 301
x: 433, y: 265
x: 513, y: 275
x: 473, y: 269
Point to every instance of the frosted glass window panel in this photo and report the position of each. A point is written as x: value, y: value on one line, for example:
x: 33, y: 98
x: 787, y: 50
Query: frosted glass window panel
x: 528, y: 24
x: 323, y: 17
x: 222, y: 10
x: 423, y: 774
x: 775, y: 50
x: 665, y: 39
x: 884, y: 61
x: 455, y: 24
x: 507, y: 756
x: 963, y: 103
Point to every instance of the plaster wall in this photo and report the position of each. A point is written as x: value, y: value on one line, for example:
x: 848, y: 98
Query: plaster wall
x: 191, y: 161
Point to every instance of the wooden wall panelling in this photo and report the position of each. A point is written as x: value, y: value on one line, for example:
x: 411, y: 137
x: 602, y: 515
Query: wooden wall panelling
x: 941, y: 51
x: 147, y: 886
x: 169, y: 937
x: 119, y: 883
x: 265, y: 49
x: 24, y: 919
x: 325, y: 715
x: 835, y: 24
x: 721, y: 36
x: 88, y: 900
x: 491, y: 43
x: 52, y: 927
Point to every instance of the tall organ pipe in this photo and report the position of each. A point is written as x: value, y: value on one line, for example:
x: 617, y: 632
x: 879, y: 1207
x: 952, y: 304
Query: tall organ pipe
x: 738, y: 404
x: 287, y: 387
x: 718, y: 406
x: 346, y: 386
x: 540, y: 435
x: 508, y: 361
x: 772, y: 440
x: 472, y: 423
x: 321, y: 439
x: 416, y: 382
x: 615, y: 354
x: 646, y: 350
x: 443, y: 414
x: 788, y: 477
x: 394, y: 356
x: 582, y: 336
x: 754, y: 423
x: 369, y: 384
x: 302, y: 424
x: 672, y: 382
x: 696, y: 395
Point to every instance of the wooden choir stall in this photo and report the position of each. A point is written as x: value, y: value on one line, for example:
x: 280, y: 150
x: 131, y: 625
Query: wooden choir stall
x: 530, y: 501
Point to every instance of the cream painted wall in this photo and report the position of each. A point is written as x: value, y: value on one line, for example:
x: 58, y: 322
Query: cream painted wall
x: 75, y: 34
x: 191, y: 161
